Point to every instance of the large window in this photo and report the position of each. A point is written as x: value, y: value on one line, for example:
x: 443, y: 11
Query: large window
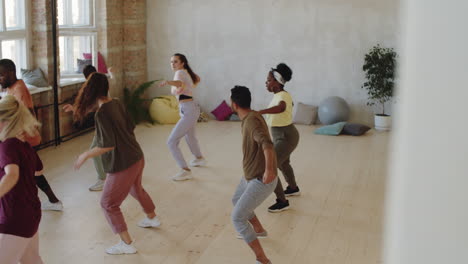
x: 77, y: 36
x: 13, y: 33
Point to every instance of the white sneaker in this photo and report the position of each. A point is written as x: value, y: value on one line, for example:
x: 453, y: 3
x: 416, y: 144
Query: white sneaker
x: 198, y: 162
x: 98, y: 186
x: 182, y: 175
x: 48, y: 206
x: 121, y: 248
x: 263, y: 234
x: 146, y: 222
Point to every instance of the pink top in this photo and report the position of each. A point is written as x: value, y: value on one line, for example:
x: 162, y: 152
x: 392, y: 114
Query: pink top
x: 188, y: 85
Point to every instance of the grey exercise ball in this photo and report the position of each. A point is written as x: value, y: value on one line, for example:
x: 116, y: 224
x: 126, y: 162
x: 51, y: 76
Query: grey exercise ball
x: 332, y: 110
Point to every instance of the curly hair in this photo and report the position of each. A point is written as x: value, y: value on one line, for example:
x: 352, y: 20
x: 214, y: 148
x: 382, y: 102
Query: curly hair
x: 284, y: 70
x: 95, y: 87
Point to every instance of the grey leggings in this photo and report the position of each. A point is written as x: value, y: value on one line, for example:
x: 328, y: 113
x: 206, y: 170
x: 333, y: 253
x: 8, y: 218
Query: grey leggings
x: 189, y: 113
x: 285, y: 140
x: 248, y: 196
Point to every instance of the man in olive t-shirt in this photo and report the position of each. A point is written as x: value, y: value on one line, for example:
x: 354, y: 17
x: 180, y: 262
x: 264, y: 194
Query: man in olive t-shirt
x: 260, y: 174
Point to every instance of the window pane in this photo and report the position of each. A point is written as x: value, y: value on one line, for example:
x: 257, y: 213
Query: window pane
x: 75, y: 53
x: 15, y: 17
x: 74, y: 12
x: 15, y: 50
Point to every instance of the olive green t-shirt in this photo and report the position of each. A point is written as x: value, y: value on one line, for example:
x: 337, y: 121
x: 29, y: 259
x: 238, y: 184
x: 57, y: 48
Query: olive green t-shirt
x: 114, y: 128
x: 255, y: 138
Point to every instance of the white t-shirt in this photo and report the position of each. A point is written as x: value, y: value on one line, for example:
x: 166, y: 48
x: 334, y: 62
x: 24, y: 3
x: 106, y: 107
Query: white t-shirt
x: 188, y: 85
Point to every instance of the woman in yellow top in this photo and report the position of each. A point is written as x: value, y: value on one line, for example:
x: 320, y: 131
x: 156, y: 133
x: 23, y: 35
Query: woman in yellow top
x: 284, y: 133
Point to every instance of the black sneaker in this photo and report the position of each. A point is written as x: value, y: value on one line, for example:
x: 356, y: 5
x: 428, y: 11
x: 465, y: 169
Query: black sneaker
x: 279, y: 206
x: 292, y: 192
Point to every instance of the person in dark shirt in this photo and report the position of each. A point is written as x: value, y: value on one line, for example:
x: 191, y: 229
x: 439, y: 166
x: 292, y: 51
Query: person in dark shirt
x: 122, y: 158
x: 20, y: 208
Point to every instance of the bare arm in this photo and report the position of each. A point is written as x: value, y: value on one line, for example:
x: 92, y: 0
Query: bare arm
x: 10, y: 179
x: 90, y: 154
x: 280, y: 108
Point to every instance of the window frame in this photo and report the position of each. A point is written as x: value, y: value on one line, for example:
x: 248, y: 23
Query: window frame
x: 91, y: 30
x: 18, y: 34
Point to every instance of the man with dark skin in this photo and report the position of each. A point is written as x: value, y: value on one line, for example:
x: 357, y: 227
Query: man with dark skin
x: 13, y: 86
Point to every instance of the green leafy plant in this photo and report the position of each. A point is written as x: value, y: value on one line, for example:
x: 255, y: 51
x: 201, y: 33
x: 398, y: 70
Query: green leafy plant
x: 137, y: 106
x: 379, y: 67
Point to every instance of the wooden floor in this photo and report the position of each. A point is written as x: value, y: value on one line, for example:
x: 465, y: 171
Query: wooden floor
x: 338, y: 218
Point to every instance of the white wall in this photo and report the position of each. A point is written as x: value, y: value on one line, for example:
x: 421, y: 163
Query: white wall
x: 427, y: 220
x: 231, y: 42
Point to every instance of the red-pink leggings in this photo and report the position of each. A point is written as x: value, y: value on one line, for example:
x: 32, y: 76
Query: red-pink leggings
x: 117, y: 187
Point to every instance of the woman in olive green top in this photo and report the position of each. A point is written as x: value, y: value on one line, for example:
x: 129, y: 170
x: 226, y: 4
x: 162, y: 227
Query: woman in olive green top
x: 284, y: 133
x: 122, y: 158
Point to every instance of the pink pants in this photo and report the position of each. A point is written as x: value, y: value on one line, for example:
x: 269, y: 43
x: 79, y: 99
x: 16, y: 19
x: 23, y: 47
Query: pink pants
x: 15, y: 249
x: 117, y: 187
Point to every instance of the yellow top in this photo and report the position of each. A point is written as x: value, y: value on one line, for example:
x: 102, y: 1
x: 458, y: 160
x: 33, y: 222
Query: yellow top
x: 284, y: 118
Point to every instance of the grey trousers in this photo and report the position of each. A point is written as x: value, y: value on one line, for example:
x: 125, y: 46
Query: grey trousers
x: 189, y: 113
x: 98, y: 162
x: 248, y: 196
x: 285, y: 140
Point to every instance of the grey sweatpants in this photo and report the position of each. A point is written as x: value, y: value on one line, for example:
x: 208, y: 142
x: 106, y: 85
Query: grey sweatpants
x: 189, y: 113
x: 248, y: 196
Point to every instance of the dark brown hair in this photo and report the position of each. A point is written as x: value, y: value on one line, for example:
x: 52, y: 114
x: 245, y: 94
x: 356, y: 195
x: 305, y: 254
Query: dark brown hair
x: 195, y: 77
x: 95, y: 87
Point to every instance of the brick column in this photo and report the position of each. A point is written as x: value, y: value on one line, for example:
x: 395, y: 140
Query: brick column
x: 41, y: 24
x: 134, y: 43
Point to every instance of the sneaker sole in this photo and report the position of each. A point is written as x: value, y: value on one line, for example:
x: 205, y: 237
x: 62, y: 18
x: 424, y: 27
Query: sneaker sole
x: 182, y: 179
x: 150, y: 226
x: 292, y: 194
x: 95, y: 190
x: 278, y: 210
x: 197, y: 165
x: 123, y: 253
x: 259, y: 237
x: 52, y: 209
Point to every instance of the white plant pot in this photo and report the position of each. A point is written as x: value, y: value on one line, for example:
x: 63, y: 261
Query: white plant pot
x: 382, y: 123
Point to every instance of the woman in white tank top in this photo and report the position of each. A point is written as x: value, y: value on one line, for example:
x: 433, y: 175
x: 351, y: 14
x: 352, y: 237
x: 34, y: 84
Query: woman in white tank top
x: 185, y: 80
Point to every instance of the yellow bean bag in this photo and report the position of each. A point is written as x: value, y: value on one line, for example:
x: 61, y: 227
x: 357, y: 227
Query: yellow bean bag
x: 165, y: 110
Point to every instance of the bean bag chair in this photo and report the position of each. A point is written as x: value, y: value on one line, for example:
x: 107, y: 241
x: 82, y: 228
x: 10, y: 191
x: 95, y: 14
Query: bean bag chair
x: 165, y: 110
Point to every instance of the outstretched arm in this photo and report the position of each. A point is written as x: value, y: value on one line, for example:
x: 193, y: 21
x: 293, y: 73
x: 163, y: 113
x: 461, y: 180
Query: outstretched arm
x: 280, y: 108
x: 90, y: 154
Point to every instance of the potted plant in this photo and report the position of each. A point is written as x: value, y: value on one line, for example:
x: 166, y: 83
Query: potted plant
x: 137, y: 106
x: 379, y: 67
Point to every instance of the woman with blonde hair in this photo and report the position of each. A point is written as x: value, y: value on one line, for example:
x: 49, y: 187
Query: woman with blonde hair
x: 20, y: 208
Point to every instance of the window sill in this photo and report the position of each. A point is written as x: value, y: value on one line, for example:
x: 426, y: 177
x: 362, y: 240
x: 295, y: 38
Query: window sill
x: 39, y: 90
x: 71, y: 81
